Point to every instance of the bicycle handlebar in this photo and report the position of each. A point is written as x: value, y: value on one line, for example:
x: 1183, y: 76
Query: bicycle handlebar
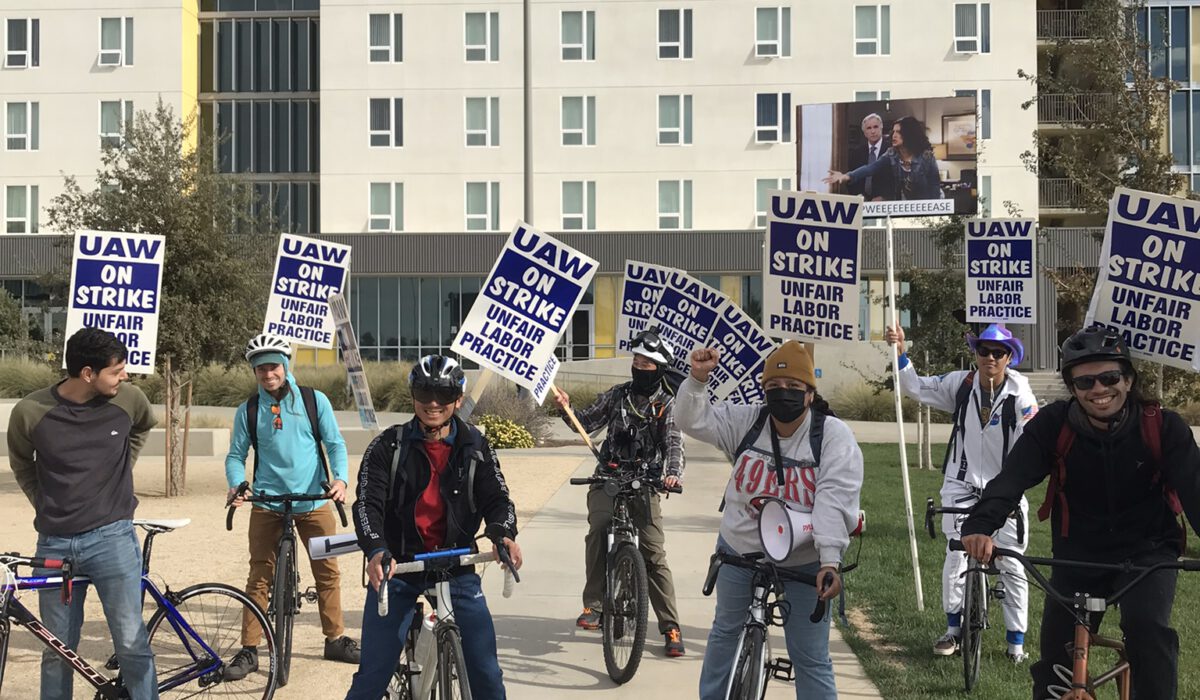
x: 655, y: 484
x: 283, y: 498
x: 14, y: 559
x: 756, y: 562
x: 932, y: 510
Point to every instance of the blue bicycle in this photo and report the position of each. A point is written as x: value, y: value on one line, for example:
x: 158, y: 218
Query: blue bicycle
x: 193, y: 632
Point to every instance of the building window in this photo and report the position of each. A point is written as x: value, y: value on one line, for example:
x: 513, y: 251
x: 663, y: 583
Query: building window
x: 985, y: 195
x: 21, y: 126
x: 1181, y: 149
x: 116, y: 41
x: 115, y: 118
x: 483, y: 206
x: 22, y: 41
x: 872, y: 30
x: 578, y: 35
x: 674, y: 120
x: 386, y: 207
x: 483, y: 36
x: 872, y: 95
x: 483, y: 121
x: 386, y: 38
x: 579, y: 205
x: 972, y: 27
x: 761, y: 202
x: 1180, y: 44
x: 674, y: 204
x: 773, y: 32
x: 983, y: 105
x: 387, y: 122
x: 674, y: 33
x: 21, y: 209
x: 579, y: 121
x: 773, y: 120
x: 259, y: 55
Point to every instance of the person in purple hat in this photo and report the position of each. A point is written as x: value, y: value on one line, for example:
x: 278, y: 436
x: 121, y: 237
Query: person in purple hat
x: 991, y: 405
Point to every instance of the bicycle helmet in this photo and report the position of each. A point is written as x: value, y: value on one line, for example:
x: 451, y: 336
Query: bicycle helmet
x: 438, y: 372
x: 648, y: 344
x: 1096, y: 342
x: 265, y: 348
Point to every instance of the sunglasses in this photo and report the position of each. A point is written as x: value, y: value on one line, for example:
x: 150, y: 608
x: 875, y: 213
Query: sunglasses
x: 1087, y: 381
x: 994, y: 353
x: 278, y: 422
x: 442, y: 395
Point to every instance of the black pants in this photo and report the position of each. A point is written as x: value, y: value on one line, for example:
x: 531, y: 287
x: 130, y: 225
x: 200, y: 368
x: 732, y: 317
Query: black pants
x: 1151, y: 645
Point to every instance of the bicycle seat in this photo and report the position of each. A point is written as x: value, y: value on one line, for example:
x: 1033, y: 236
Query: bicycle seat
x: 162, y: 525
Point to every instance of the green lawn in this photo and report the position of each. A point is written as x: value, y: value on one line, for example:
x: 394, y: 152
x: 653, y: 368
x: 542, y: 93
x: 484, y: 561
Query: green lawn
x: 896, y: 653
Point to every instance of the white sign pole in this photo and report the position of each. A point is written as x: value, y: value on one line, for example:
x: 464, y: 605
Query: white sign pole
x: 908, y: 508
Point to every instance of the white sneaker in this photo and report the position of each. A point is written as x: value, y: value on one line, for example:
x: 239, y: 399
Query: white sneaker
x: 946, y: 645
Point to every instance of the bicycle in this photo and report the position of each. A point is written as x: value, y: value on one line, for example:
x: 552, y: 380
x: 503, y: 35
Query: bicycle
x: 626, y: 590
x: 1079, y: 684
x: 975, y: 595
x: 438, y: 670
x: 285, y: 597
x: 190, y: 650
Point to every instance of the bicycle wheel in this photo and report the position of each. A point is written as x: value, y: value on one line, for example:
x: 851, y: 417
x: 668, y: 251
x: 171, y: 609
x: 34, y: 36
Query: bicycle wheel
x: 748, y: 681
x: 283, y: 605
x: 211, y: 613
x: 974, y: 620
x: 625, y: 611
x: 452, y: 669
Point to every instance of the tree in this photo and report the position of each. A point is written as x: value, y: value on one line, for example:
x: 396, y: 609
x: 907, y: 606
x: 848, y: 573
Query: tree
x: 932, y: 298
x: 13, y: 327
x: 214, y: 281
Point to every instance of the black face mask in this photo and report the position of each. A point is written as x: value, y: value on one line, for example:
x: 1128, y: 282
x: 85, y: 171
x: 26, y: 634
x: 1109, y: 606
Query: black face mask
x: 786, y: 405
x: 645, y: 381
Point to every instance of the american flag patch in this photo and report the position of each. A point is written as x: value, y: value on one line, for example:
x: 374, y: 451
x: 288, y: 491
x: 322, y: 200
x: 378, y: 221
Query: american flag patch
x: 1029, y: 412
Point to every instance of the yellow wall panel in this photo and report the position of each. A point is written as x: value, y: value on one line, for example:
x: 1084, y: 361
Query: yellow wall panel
x: 189, y: 80
x: 605, y: 293
x: 731, y: 286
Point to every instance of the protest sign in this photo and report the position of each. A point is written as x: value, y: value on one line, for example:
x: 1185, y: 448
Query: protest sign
x: 1149, y: 283
x: 116, y: 284
x: 1001, y: 270
x: 743, y: 346
x: 810, y: 266
x: 640, y: 293
x: 352, y: 360
x: 686, y: 313
x: 524, y: 306
x: 307, y: 271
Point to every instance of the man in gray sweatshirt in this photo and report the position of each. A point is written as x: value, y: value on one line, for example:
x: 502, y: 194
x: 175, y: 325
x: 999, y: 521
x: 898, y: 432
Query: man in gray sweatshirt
x: 72, y: 447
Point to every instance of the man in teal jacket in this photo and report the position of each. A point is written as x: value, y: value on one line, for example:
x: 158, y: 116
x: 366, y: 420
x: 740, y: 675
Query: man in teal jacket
x: 287, y: 460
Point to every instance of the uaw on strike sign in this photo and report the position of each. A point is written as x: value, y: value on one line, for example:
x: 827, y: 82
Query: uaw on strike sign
x: 307, y: 272
x: 116, y: 283
x: 524, y: 306
x: 1001, y: 271
x: 1149, y: 283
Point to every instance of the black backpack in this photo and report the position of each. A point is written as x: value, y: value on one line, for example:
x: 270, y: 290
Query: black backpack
x: 400, y: 454
x: 816, y: 436
x: 309, y: 396
x: 1008, y: 421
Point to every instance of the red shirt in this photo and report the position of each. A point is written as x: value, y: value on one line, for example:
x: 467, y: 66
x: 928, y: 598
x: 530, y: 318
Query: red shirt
x: 429, y: 512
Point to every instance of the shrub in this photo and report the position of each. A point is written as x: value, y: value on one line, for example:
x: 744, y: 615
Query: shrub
x: 1190, y: 412
x: 504, y: 434
x: 864, y: 402
x: 502, y: 400
x: 582, y: 396
x: 21, y: 377
x: 389, y: 385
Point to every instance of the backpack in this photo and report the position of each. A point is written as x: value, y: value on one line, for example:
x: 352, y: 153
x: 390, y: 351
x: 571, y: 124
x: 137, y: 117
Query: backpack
x: 816, y: 436
x: 309, y: 396
x: 1151, y: 429
x: 1008, y: 421
x: 400, y: 454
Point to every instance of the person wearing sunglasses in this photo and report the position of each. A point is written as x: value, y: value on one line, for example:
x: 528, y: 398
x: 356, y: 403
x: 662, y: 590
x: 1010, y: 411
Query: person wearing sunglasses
x: 291, y: 424
x: 639, y: 415
x: 1109, y: 501
x: 991, y: 406
x: 425, y: 485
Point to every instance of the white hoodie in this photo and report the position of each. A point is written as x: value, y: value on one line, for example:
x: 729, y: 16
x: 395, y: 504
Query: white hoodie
x: 828, y: 491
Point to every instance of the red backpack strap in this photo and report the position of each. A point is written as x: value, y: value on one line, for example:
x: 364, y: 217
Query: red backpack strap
x: 1058, y: 478
x: 1152, y: 421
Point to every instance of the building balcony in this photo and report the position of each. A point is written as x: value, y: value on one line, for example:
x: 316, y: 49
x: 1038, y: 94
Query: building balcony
x: 1072, y: 109
x: 1055, y: 25
x: 1059, y: 194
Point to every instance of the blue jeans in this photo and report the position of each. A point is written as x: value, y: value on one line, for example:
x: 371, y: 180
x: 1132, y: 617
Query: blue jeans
x: 383, y: 638
x: 807, y: 643
x: 111, y: 557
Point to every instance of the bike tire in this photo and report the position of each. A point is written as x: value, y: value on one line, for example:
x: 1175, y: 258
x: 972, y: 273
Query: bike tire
x: 5, y: 631
x: 626, y: 605
x: 214, y: 613
x: 748, y: 681
x: 974, y: 621
x: 452, y: 668
x: 283, y: 605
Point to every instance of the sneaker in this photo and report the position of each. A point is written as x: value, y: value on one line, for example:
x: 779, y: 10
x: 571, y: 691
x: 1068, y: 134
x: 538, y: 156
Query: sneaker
x: 589, y: 620
x: 342, y: 649
x: 243, y: 664
x: 946, y: 645
x: 1018, y: 658
x: 674, y: 642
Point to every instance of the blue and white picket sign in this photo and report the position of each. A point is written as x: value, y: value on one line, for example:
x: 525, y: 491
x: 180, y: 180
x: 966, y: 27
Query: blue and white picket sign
x: 116, y: 285
x: 750, y: 391
x: 525, y: 305
x: 810, y: 266
x: 307, y: 272
x: 1148, y: 288
x: 356, y: 377
x: 686, y: 312
x: 1001, y: 262
x: 640, y: 292
x: 743, y: 347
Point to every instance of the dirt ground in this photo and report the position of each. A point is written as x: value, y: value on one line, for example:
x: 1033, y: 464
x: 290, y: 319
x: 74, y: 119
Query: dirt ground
x: 204, y: 551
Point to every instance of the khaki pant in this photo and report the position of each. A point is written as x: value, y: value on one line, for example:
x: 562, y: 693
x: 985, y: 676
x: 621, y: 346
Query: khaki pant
x: 265, y: 528
x: 651, y: 541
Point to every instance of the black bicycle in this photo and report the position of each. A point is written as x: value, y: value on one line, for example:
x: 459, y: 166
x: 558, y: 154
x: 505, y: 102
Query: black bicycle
x: 285, y: 596
x: 627, y: 587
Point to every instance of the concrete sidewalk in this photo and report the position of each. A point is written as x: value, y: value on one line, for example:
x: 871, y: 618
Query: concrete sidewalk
x: 544, y: 655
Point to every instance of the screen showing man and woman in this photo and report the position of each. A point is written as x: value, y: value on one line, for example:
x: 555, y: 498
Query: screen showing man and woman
x: 905, y: 157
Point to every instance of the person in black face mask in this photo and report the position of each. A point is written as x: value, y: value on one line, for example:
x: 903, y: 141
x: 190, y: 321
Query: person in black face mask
x: 639, y: 415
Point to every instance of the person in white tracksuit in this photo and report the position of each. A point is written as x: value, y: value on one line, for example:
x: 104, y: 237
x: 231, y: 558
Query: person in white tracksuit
x: 997, y: 408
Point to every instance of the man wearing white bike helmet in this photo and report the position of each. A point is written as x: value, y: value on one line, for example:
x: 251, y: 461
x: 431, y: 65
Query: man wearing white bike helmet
x: 287, y: 424
x: 639, y: 415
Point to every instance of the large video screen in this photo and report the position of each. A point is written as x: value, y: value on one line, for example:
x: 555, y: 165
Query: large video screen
x: 905, y: 157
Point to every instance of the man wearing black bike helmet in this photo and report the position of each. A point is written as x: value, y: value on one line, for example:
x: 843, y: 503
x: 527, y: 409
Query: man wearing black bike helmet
x: 639, y: 415
x: 426, y: 485
x: 1109, y: 499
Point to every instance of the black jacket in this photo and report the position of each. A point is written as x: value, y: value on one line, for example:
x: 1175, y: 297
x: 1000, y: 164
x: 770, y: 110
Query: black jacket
x: 1116, y: 511
x: 383, y: 520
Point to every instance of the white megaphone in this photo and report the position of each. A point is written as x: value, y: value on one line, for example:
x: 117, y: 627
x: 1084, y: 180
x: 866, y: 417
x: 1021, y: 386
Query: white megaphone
x: 782, y: 530
x: 330, y: 546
